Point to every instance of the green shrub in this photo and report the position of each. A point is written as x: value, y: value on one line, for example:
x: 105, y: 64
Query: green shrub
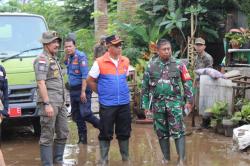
x: 85, y: 42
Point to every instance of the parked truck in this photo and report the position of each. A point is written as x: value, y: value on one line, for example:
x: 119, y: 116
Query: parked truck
x: 19, y: 46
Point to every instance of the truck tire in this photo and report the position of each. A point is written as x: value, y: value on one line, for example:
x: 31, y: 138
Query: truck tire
x: 37, y: 127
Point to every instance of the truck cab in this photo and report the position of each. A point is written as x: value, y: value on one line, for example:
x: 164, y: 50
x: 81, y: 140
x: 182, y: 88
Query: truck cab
x: 19, y: 46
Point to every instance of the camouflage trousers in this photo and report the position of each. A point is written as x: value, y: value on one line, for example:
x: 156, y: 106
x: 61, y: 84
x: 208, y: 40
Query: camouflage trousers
x: 168, y: 119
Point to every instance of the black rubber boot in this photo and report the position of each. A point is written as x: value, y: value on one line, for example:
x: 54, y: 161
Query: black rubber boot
x: 180, y: 145
x: 104, y: 151
x: 124, y: 149
x: 165, y: 148
x: 58, y: 153
x: 46, y: 155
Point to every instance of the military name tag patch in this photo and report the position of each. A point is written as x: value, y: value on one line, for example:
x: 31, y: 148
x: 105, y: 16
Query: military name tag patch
x: 1, y: 73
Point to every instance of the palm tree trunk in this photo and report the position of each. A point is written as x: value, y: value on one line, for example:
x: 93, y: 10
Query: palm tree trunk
x: 101, y: 22
x: 126, y: 10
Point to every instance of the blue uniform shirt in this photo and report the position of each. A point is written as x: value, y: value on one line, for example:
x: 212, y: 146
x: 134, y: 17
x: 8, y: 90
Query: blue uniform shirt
x: 77, y: 68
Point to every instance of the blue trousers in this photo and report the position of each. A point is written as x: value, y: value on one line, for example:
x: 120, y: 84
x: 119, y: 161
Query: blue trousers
x: 81, y: 112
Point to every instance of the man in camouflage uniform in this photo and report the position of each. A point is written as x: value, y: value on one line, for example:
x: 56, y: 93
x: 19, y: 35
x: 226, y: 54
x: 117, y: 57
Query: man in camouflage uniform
x: 202, y: 60
x: 166, y: 90
x: 51, y: 98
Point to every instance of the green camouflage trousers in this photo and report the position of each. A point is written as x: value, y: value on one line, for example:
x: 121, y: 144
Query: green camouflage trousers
x: 168, y: 119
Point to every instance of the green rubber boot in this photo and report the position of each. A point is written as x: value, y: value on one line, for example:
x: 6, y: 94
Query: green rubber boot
x: 124, y: 149
x: 181, y: 148
x: 104, y: 150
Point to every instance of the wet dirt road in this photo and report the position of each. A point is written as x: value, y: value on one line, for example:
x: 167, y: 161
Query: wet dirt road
x: 203, y: 149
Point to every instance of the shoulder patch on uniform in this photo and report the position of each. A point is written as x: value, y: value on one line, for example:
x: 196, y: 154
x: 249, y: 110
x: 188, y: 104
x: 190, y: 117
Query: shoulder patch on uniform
x: 185, y: 76
x: 42, y: 60
x: 83, y: 63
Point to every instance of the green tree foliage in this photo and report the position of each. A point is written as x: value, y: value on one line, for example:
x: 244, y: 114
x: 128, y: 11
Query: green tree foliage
x: 245, y: 7
x: 171, y: 19
x: 85, y: 41
x: 78, y: 13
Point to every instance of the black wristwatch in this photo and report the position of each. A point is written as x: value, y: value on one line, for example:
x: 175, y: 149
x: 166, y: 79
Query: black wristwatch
x: 45, y: 103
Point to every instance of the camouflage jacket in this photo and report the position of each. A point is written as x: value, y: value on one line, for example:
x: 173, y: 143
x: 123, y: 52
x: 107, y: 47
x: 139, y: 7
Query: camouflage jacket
x: 168, y: 80
x: 203, y: 61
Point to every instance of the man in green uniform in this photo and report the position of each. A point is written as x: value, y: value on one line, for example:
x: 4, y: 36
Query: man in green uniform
x: 202, y: 60
x: 51, y: 98
x: 166, y: 90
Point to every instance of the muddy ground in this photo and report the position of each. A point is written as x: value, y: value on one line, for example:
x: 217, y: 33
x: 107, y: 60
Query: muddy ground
x: 204, y: 148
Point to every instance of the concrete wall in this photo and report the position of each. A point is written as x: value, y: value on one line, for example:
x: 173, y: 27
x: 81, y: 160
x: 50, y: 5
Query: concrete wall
x: 212, y: 90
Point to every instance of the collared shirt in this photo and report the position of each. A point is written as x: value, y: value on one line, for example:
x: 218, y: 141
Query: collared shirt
x: 95, y: 71
x: 47, y: 68
x: 77, y: 68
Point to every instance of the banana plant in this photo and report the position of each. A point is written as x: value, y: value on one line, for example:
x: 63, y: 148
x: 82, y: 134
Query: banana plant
x: 145, y: 33
x: 174, y: 20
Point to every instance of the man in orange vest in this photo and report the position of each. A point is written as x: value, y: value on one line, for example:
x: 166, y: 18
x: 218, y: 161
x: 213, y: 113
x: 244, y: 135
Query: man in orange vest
x: 108, y: 78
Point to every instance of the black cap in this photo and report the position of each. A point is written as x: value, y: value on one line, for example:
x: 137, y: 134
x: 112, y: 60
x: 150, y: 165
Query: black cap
x: 113, y: 39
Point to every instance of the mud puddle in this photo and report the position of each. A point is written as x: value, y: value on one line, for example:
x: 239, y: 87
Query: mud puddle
x: 204, y: 148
